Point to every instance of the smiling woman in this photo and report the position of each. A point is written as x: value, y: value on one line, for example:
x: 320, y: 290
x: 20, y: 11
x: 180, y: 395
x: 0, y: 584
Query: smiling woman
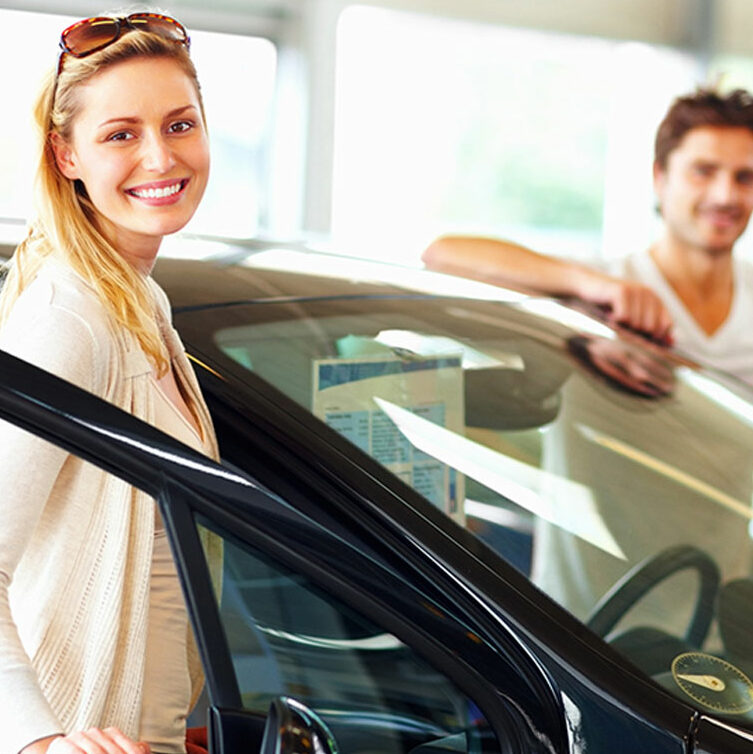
x: 238, y: 200
x: 123, y: 161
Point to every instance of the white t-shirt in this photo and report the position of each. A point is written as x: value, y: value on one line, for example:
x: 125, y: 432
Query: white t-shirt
x: 730, y: 348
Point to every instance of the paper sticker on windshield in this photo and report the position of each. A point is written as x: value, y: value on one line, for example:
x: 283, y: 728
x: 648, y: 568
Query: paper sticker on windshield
x: 346, y: 393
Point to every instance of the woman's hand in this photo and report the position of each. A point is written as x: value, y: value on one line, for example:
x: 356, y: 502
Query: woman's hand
x: 91, y: 741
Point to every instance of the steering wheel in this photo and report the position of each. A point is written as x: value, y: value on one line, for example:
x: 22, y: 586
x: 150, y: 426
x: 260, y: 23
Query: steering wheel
x: 646, y: 575
x: 293, y: 728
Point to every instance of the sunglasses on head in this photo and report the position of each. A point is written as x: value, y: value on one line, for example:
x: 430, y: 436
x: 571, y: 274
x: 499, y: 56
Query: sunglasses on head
x: 93, y: 34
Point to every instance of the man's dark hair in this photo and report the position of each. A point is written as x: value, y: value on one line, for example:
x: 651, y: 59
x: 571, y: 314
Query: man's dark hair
x: 705, y: 107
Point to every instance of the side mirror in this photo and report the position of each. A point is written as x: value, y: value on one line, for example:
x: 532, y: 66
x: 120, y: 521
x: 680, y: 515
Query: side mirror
x: 293, y: 728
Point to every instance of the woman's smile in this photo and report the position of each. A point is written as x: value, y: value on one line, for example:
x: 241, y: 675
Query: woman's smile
x: 159, y: 193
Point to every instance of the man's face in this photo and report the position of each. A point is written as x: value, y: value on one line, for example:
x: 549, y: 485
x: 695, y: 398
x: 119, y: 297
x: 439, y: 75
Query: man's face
x: 705, y: 191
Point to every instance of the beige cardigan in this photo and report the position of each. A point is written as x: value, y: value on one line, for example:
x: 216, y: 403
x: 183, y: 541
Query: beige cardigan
x: 75, y: 542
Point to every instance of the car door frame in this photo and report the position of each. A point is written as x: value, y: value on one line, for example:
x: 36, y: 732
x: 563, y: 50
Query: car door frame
x: 169, y: 471
x: 181, y: 480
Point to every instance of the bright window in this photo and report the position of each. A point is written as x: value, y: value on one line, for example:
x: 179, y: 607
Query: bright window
x: 446, y: 125
x: 239, y: 119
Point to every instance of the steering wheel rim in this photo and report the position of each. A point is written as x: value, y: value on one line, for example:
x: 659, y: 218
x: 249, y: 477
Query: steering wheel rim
x: 643, y: 577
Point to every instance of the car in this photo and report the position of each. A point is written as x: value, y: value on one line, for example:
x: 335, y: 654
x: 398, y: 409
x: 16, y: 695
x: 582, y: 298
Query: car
x: 453, y: 518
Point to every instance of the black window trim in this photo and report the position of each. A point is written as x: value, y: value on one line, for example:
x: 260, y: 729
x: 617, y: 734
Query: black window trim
x: 179, y: 505
x: 141, y: 455
x: 171, y: 473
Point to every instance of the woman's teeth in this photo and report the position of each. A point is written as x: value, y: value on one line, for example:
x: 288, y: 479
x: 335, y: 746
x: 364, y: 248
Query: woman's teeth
x: 157, y: 193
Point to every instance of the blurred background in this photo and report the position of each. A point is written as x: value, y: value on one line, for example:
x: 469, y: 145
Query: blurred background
x: 370, y: 128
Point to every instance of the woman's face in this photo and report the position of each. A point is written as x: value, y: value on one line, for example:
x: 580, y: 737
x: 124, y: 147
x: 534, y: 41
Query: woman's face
x: 140, y: 148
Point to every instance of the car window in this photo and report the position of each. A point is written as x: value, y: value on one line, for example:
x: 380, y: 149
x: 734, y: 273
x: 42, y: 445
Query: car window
x: 616, y: 477
x: 289, y: 637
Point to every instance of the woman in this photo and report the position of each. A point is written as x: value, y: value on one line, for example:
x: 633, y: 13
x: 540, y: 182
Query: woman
x: 95, y: 648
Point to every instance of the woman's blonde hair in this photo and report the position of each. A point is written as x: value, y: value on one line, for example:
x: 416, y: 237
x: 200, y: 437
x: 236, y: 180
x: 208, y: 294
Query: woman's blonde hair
x: 66, y: 220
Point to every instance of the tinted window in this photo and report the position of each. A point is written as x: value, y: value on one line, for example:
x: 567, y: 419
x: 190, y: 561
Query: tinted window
x: 289, y: 637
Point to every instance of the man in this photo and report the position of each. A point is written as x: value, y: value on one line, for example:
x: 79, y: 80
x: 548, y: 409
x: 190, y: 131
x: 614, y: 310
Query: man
x: 686, y: 288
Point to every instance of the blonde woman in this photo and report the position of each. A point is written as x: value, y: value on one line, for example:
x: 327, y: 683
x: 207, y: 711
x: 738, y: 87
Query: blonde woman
x: 95, y: 648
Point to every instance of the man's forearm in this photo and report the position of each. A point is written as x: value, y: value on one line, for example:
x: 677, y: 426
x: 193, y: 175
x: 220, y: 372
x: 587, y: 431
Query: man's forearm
x: 509, y: 264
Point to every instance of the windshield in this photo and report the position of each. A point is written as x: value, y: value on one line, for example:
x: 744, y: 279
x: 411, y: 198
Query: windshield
x: 616, y: 477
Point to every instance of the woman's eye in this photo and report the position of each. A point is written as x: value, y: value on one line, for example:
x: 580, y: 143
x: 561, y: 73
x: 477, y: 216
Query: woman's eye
x: 181, y: 126
x: 120, y: 136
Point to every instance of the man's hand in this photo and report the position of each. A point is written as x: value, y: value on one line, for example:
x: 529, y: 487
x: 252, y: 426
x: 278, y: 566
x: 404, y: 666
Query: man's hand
x: 91, y: 741
x: 631, y: 305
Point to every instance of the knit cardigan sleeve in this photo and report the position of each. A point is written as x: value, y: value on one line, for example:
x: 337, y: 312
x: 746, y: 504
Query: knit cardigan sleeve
x: 60, y: 341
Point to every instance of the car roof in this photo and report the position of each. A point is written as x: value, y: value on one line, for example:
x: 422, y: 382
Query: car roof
x: 238, y: 274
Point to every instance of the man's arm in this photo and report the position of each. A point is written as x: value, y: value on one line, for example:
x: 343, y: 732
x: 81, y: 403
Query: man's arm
x: 508, y: 264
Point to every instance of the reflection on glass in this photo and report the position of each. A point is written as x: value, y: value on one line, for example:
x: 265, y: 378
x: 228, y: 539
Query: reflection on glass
x: 583, y: 457
x: 633, y: 369
x: 288, y: 637
x: 535, y: 490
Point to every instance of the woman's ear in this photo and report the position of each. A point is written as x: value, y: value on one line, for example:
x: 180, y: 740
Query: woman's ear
x: 64, y: 156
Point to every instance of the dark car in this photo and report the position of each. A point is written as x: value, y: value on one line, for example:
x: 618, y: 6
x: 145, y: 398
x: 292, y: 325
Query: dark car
x: 450, y: 522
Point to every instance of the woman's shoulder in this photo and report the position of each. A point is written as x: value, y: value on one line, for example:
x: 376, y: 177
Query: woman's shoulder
x: 59, y: 294
x: 58, y: 324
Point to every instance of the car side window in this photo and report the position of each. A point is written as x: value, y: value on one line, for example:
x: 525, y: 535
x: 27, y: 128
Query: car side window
x: 288, y: 637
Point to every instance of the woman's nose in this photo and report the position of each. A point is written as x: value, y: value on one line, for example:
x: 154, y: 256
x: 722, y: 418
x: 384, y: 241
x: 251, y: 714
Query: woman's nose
x: 157, y: 154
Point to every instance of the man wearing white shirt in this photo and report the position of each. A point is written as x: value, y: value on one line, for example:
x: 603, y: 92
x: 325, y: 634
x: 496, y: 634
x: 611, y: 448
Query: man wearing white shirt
x: 686, y: 288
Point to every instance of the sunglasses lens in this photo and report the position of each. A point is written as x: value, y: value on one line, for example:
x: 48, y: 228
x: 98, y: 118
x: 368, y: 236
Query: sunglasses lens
x: 87, y: 36
x: 162, y: 25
